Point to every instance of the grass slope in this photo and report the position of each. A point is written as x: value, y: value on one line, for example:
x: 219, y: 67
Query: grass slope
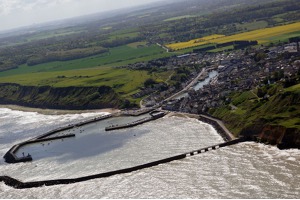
x: 122, y: 79
x: 60, y: 98
x: 281, y: 108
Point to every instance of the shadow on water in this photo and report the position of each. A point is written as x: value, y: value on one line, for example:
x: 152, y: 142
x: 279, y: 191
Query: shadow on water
x: 90, y: 140
x: 8, y: 134
x: 84, y: 146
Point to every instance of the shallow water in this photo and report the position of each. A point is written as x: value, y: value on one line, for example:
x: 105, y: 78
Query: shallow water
x: 247, y: 170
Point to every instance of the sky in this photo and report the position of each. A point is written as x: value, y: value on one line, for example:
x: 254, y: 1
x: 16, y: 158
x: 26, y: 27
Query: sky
x: 18, y: 13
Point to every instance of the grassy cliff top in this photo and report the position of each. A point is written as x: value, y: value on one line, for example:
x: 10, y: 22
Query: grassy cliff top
x: 278, y: 106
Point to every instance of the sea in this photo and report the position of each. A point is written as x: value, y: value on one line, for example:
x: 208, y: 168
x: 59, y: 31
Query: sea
x: 247, y: 170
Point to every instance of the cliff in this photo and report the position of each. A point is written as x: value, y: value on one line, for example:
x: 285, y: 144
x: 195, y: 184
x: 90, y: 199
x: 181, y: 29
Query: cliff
x: 278, y: 135
x: 273, y: 118
x: 71, y: 98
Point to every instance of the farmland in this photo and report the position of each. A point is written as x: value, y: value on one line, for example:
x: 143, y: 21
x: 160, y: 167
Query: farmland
x: 92, y: 71
x: 124, y: 81
x: 263, y: 36
x: 195, y: 42
x: 117, y: 56
x: 115, y: 50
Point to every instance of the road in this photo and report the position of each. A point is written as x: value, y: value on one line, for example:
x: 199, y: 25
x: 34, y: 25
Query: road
x: 162, y: 46
x: 191, y: 84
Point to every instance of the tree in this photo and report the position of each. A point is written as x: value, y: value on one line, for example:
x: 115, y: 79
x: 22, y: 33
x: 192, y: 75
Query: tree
x: 149, y: 82
x: 260, y: 56
x: 261, y: 92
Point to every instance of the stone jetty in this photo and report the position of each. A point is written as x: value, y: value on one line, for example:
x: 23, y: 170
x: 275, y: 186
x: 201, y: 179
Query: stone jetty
x: 154, y: 115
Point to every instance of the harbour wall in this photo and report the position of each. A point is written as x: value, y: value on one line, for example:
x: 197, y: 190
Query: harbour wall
x: 137, y: 112
x: 219, y: 126
x: 23, y: 185
x: 228, y: 137
x: 135, y: 123
x: 10, y: 156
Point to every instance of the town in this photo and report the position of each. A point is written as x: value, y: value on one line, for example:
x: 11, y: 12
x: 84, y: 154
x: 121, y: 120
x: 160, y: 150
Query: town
x: 235, y: 71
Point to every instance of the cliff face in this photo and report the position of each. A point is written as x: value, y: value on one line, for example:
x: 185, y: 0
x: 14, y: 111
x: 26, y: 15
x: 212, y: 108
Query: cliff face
x: 60, y: 98
x: 281, y: 136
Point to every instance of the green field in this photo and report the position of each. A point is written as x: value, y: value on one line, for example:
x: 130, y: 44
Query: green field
x: 250, y: 26
x: 127, y: 33
x: 92, y: 71
x: 51, y: 34
x: 117, y: 56
x: 137, y: 44
x: 123, y: 81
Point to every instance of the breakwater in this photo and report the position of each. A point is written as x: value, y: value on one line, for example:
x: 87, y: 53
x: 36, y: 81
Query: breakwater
x: 136, y: 112
x: 10, y: 156
x: 23, y: 185
x: 135, y: 123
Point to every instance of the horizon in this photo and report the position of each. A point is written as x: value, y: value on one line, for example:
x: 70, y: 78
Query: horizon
x: 18, y: 14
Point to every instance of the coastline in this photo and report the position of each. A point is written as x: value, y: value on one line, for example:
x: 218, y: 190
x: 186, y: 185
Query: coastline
x: 112, y: 111
x: 56, y: 111
x: 217, y: 124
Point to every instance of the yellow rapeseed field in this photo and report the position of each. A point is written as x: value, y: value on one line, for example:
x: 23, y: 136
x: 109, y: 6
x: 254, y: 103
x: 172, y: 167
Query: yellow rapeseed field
x: 193, y: 43
x: 261, y: 35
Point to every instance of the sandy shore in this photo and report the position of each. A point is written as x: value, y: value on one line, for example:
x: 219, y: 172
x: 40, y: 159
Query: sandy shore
x: 57, y: 112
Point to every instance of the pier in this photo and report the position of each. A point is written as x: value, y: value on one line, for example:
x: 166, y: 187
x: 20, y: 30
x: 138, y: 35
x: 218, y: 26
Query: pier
x: 154, y: 115
x: 136, y: 112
